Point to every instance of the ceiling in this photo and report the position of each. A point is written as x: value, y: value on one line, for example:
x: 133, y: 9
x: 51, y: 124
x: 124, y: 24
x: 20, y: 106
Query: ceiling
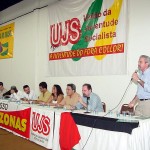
x: 7, y: 3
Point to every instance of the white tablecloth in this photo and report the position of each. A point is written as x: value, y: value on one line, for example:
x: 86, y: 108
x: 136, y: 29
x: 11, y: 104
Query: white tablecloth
x: 96, y: 139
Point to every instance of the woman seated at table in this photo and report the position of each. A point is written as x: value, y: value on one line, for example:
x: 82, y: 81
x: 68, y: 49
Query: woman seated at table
x: 56, y: 96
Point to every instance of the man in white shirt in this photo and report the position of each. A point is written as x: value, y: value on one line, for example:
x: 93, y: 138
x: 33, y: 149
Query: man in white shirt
x: 15, y: 94
x: 28, y: 94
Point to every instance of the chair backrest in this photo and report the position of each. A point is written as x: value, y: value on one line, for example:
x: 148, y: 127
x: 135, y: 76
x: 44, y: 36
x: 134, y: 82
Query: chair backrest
x: 126, y: 108
x: 104, y: 106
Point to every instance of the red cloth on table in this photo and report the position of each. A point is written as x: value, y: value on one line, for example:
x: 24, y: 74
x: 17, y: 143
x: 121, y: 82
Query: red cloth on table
x: 69, y: 134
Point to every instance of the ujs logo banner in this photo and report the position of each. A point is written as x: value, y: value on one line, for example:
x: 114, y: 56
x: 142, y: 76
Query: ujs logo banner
x: 87, y: 37
x: 42, y: 127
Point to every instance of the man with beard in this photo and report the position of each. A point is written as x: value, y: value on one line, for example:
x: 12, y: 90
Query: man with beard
x: 90, y: 100
x: 28, y: 94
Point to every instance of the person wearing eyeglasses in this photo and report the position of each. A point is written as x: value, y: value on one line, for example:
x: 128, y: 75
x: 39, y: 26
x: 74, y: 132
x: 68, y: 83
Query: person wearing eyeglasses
x: 142, y: 78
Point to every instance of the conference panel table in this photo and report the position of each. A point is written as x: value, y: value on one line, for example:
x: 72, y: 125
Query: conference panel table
x: 56, y: 128
x: 125, y: 136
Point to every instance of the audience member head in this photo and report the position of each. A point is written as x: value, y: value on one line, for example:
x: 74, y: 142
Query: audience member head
x: 13, y: 89
x: 71, y: 89
x: 1, y: 86
x: 43, y: 87
x: 26, y: 89
x: 86, y: 90
x: 56, y: 90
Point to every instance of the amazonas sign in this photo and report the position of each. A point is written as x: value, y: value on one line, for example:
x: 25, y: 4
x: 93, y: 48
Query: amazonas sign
x: 16, y: 121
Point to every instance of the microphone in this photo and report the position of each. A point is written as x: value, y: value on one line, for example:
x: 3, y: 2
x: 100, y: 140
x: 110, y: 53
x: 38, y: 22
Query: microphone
x: 87, y: 111
x: 136, y: 71
x: 88, y: 98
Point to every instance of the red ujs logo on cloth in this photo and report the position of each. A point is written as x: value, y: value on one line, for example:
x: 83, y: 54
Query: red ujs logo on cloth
x: 40, y: 123
x: 16, y: 121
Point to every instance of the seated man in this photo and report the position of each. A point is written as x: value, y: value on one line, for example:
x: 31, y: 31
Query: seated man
x: 45, y: 94
x: 15, y: 93
x: 72, y: 97
x: 2, y: 90
x: 90, y: 100
x: 28, y: 94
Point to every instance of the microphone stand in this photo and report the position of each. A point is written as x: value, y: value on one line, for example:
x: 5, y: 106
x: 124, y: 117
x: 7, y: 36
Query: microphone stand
x: 87, y: 111
x: 121, y: 98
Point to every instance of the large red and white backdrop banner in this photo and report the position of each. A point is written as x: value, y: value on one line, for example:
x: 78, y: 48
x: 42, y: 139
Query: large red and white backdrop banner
x: 87, y: 37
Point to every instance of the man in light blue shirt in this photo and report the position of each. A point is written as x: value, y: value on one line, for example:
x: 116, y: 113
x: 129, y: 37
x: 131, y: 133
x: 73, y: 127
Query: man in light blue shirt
x: 90, y: 100
x: 142, y: 96
x: 143, y: 91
